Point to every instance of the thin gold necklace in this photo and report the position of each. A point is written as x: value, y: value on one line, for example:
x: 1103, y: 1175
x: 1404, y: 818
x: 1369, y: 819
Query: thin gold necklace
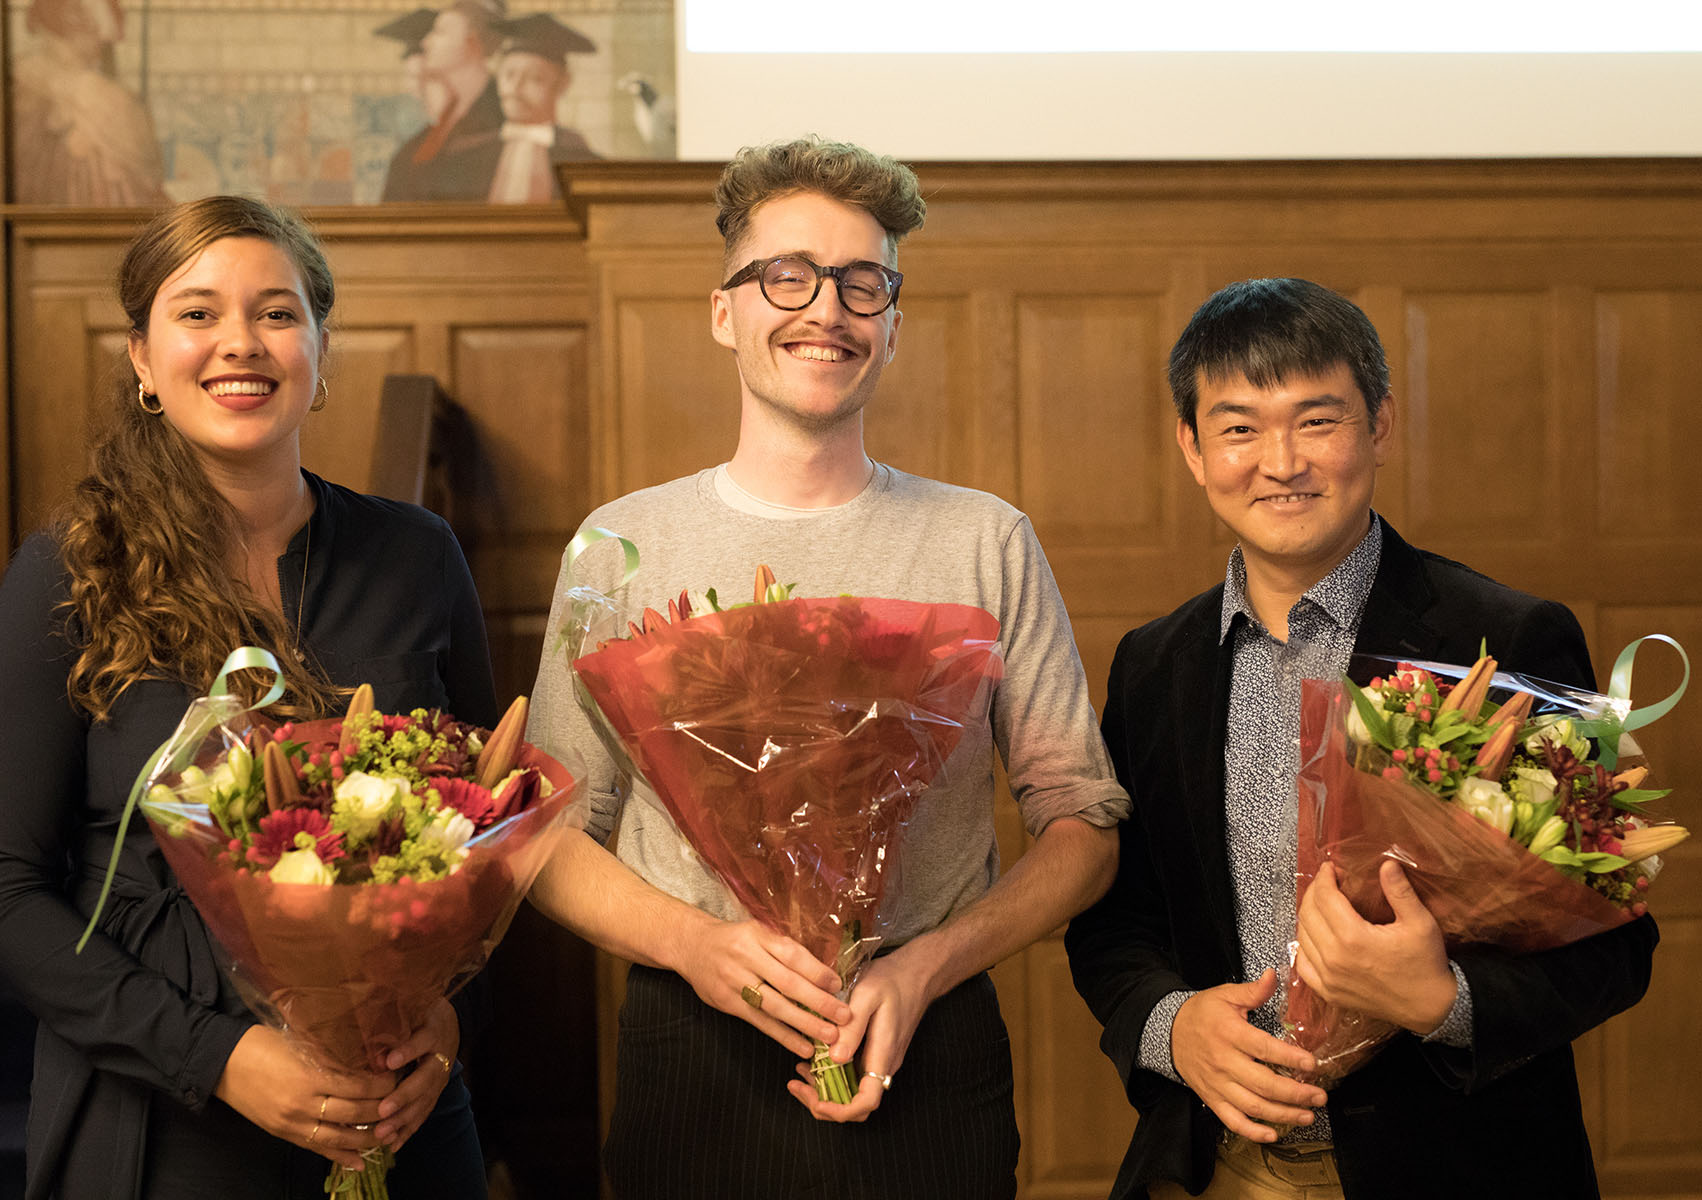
x: 301, y: 600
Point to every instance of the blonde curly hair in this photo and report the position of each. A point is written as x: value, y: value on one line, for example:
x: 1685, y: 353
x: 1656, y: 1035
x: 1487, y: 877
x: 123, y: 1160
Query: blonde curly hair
x: 883, y: 187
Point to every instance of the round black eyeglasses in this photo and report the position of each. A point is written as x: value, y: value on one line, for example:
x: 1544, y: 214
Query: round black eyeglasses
x: 792, y: 282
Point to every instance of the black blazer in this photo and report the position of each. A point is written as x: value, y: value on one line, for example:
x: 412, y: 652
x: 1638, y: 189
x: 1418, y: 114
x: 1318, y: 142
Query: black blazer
x: 1502, y: 1118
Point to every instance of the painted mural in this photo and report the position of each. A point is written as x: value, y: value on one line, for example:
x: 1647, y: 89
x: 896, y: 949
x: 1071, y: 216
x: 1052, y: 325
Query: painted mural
x: 136, y: 102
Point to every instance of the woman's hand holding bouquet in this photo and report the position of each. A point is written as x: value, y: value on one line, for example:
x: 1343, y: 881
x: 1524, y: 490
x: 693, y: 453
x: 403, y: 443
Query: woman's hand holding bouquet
x: 356, y: 872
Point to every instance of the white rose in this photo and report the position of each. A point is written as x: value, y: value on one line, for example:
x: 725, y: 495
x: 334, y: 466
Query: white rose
x: 447, y: 832
x: 1486, y: 801
x: 301, y: 866
x: 363, y: 800
x: 1535, y: 785
x: 1357, y: 731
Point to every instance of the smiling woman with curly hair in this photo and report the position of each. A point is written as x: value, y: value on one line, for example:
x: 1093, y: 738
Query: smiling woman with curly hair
x: 197, y: 531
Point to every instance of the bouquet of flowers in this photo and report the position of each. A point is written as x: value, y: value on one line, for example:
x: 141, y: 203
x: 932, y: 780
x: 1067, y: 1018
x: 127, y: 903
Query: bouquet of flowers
x: 1521, y: 820
x: 789, y: 740
x: 355, y: 870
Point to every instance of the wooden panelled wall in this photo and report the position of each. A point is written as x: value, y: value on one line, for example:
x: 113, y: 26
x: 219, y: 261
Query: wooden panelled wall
x: 1543, y: 321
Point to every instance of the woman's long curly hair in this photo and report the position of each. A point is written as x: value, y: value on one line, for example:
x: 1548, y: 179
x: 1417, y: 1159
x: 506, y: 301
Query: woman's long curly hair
x: 146, y: 539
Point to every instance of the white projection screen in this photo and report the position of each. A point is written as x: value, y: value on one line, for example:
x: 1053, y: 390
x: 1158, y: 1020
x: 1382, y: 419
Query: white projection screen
x: 1128, y: 79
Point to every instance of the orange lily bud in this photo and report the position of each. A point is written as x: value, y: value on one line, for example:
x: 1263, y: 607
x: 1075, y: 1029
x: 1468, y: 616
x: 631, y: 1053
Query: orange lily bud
x: 1516, y: 710
x: 354, y: 721
x: 497, y: 758
x: 1468, y: 694
x: 281, y: 789
x: 1494, y: 755
x: 1656, y: 839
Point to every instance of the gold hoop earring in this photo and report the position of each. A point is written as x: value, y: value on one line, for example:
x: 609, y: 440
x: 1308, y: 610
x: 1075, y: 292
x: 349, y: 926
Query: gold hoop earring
x: 142, y: 399
x: 324, y: 396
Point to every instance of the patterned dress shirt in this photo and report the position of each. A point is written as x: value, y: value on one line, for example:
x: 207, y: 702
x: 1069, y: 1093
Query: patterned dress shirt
x: 1261, y: 757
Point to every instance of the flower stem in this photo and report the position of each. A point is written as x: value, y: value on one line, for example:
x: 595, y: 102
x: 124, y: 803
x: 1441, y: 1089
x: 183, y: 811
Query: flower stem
x: 833, y: 1080
x: 367, y: 1184
x: 836, y: 1082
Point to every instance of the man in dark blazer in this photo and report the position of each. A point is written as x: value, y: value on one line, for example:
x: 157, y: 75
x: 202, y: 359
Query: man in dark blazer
x: 1284, y: 415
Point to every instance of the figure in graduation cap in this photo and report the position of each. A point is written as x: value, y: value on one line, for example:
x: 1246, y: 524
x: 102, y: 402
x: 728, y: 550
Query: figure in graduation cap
x: 429, y: 88
x: 531, y: 76
x: 452, y: 158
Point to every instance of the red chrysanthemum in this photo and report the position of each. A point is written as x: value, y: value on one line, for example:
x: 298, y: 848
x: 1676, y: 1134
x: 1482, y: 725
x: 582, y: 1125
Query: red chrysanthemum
x: 469, y: 799
x: 278, y: 832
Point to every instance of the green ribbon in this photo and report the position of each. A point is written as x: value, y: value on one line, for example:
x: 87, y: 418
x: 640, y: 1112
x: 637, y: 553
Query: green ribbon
x: 588, y: 537
x: 1611, y: 725
x: 244, y: 658
x: 204, y: 715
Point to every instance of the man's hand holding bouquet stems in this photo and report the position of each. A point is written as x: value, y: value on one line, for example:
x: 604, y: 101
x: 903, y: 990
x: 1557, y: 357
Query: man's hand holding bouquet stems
x: 589, y: 890
x: 1397, y: 972
x: 1069, y: 866
x: 797, y: 992
x: 739, y: 720
x: 1228, y: 1062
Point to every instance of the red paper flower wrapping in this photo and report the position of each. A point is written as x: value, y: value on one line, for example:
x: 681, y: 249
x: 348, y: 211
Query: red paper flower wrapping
x: 1479, y: 884
x: 789, y: 742
x: 349, y: 971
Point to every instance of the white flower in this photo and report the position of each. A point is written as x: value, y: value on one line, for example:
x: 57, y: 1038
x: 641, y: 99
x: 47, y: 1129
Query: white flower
x: 1357, y: 731
x: 1548, y: 836
x: 301, y: 866
x: 232, y: 776
x: 1559, y: 731
x: 446, y: 833
x: 699, y: 602
x: 1486, y: 801
x: 192, y: 785
x: 1534, y: 785
x: 363, y: 800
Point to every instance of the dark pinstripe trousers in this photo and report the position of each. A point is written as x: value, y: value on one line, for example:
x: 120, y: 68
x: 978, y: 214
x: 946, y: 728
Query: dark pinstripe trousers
x: 702, y: 1111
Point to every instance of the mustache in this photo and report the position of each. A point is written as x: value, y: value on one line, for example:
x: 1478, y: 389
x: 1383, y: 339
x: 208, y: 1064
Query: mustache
x: 804, y: 333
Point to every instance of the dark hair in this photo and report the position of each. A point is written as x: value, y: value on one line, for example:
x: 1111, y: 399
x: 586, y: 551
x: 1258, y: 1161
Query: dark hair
x: 883, y: 187
x: 1269, y: 329
x: 145, y: 536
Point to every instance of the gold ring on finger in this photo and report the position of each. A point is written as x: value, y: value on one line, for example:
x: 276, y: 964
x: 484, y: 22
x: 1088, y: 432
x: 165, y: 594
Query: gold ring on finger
x: 753, y: 995
x: 315, y: 1132
x: 322, y: 1103
x: 448, y: 1066
x: 885, y: 1080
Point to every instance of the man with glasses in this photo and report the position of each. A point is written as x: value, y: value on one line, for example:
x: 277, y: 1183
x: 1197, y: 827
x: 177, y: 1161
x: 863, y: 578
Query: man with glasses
x: 719, y: 1010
